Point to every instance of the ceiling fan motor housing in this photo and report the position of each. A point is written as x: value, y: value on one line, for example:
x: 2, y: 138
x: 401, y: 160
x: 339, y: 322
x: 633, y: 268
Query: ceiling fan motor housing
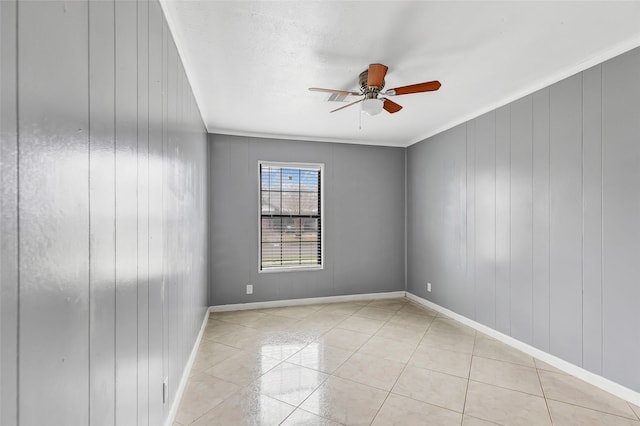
x: 370, y: 92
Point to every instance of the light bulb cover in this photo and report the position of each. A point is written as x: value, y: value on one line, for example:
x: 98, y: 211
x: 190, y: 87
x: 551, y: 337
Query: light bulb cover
x: 372, y: 106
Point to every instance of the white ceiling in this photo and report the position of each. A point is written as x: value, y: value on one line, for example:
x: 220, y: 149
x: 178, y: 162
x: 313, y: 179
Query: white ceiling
x: 250, y: 62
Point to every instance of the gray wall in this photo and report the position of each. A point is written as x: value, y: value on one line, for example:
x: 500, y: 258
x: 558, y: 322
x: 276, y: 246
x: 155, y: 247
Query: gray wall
x: 364, y: 220
x: 103, y: 214
x: 527, y: 219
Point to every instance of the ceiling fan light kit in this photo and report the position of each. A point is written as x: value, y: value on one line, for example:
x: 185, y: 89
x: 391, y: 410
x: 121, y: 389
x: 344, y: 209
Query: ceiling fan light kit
x: 373, y: 99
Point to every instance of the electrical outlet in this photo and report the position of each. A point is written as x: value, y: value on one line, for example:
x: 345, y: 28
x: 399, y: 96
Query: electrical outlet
x: 165, y: 390
x: 249, y: 289
x: 429, y: 287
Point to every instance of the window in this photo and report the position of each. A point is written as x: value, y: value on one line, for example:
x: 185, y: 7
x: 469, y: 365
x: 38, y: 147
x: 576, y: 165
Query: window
x: 290, y: 216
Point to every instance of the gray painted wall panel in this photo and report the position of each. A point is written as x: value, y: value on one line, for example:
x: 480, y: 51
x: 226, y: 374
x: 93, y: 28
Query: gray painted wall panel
x: 620, y: 223
x: 592, y: 218
x: 54, y: 213
x: 565, y: 197
x: 468, y: 308
x: 143, y: 211
x: 503, y: 220
x: 540, y: 217
x: 485, y: 218
x: 126, y: 211
x: 361, y: 182
x: 9, y: 214
x: 558, y: 178
x: 521, y: 220
x: 93, y: 217
x: 102, y: 174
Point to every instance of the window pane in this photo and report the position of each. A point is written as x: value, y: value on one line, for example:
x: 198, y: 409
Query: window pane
x: 270, y: 203
x: 309, y: 203
x: 309, y: 180
x: 290, y: 203
x: 290, y: 179
x: 271, y: 229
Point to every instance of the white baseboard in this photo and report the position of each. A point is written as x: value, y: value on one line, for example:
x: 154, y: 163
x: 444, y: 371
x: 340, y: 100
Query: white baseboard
x: 589, y: 377
x: 175, y: 405
x: 308, y: 301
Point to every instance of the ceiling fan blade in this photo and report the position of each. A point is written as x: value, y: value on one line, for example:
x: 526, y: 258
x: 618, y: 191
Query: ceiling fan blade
x: 391, y: 106
x: 376, y: 74
x: 339, y: 92
x: 429, y: 86
x: 348, y: 105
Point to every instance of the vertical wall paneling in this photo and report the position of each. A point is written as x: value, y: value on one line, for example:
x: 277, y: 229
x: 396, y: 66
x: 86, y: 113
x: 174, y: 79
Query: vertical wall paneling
x: 565, y: 194
x: 592, y: 218
x: 485, y: 219
x: 540, y: 217
x: 469, y: 306
x: 143, y: 210
x: 54, y: 212
x: 9, y: 214
x: 521, y: 246
x: 126, y: 211
x: 156, y: 374
x: 620, y: 223
x: 101, y: 174
x: 102, y: 212
x: 503, y: 219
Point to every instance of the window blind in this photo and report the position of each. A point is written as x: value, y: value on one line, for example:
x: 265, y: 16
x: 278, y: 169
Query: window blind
x: 290, y: 216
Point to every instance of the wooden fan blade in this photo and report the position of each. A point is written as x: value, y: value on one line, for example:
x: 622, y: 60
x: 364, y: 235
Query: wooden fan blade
x: 429, y: 86
x: 376, y: 74
x: 339, y: 92
x: 352, y: 103
x: 391, y: 106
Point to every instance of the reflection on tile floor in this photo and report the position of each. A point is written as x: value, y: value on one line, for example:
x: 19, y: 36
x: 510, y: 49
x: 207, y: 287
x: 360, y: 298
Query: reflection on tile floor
x: 385, y: 362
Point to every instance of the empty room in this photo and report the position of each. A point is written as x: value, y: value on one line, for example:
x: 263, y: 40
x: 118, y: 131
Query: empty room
x: 319, y: 213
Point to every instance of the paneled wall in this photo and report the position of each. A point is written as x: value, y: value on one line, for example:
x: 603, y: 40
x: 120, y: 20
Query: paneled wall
x: 527, y: 219
x: 363, y: 219
x: 104, y: 196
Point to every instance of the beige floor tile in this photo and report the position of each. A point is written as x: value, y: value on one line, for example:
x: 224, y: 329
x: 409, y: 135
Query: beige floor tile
x: 473, y: 421
x: 446, y: 325
x: 443, y: 390
x: 448, y: 341
x: 217, y: 328
x: 389, y: 304
x: 569, y: 389
x: 243, y: 368
x: 345, y: 339
x: 177, y: 424
x: 506, y: 375
x: 289, y: 383
x: 415, y: 309
x: 401, y: 332
x: 505, y: 406
x: 410, y: 320
x: 394, y: 350
x: 402, y: 411
x: 274, y: 323
x: 246, y: 338
x: 203, y: 392
x: 433, y: 358
x: 541, y: 365
x: 347, y: 308
x: 488, y: 347
x: 296, y: 312
x: 368, y: 370
x: 569, y: 415
x: 301, y: 417
x: 374, y: 313
x: 246, y: 407
x: 210, y: 353
x: 320, y: 357
x: 361, y: 325
x: 242, y: 317
x: 344, y: 401
x: 636, y: 409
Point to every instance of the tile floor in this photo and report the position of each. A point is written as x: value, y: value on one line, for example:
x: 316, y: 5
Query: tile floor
x: 385, y: 362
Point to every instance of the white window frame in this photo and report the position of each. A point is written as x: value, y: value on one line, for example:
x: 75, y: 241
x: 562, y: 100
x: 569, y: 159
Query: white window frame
x: 292, y: 165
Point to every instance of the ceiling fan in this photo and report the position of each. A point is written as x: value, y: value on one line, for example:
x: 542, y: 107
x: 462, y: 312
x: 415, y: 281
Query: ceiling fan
x: 374, y: 100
